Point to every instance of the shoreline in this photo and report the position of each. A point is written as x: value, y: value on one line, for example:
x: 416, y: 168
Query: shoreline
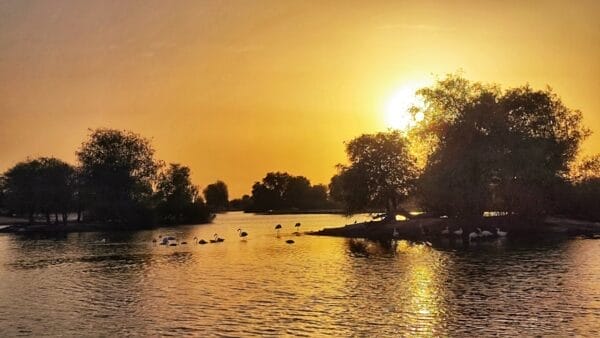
x: 427, y: 229
x: 80, y: 227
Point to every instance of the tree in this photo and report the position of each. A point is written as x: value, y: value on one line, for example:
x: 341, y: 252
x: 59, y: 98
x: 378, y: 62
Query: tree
x: 492, y: 149
x: 117, y: 172
x: 381, y: 173
x: 216, y: 196
x: 244, y: 203
x: 43, y: 185
x: 178, y: 199
x: 282, y: 191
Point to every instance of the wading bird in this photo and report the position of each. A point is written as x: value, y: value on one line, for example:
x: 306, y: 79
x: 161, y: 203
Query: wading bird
x: 501, y: 233
x: 458, y: 232
x: 243, y: 234
x: 484, y: 233
x: 277, y: 228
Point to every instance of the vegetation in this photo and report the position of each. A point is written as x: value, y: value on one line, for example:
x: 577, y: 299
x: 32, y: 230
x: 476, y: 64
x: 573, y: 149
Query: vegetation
x: 40, y: 186
x: 381, y: 174
x: 581, y: 194
x: 217, y: 196
x: 118, y: 182
x: 496, y: 150
x: 178, y: 201
x: 117, y: 172
x: 282, y: 191
x: 479, y: 148
x: 239, y: 204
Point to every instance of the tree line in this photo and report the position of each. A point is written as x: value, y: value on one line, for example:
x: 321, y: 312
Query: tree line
x: 479, y: 148
x: 117, y: 180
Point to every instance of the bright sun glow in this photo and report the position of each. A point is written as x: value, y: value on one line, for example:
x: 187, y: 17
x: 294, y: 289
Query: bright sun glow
x: 397, y: 114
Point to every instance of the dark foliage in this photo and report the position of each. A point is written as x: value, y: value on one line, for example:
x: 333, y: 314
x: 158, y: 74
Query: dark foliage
x: 380, y: 176
x: 217, y: 196
x: 282, y: 191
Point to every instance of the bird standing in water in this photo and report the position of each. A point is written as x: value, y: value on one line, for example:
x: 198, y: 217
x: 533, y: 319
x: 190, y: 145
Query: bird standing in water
x: 243, y: 234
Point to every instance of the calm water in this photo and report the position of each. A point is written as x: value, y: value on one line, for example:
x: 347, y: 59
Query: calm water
x: 75, y: 285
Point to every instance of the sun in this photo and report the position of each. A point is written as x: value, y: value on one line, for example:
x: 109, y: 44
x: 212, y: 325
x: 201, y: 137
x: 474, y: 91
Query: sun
x: 397, y: 114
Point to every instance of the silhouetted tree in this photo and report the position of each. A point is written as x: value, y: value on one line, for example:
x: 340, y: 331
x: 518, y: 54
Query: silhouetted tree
x: 493, y: 149
x: 178, y: 199
x: 244, y: 203
x: 580, y: 198
x: 117, y: 172
x: 381, y: 173
x: 43, y: 185
x: 216, y: 196
x: 282, y: 191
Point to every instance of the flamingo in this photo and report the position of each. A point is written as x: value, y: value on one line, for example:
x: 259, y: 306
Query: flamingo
x: 217, y: 239
x: 243, y: 234
x: 277, y: 228
x: 484, y: 233
x: 199, y: 241
x: 473, y: 235
x: 446, y: 231
x: 458, y: 232
x: 501, y: 233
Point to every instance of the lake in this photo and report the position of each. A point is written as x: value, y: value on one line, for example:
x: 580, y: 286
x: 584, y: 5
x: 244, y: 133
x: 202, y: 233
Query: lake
x: 75, y: 284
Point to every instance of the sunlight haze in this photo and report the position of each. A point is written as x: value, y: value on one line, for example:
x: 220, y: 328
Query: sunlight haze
x: 236, y: 89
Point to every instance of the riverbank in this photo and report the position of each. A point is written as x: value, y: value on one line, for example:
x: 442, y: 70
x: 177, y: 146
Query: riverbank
x: 25, y: 227
x: 426, y: 229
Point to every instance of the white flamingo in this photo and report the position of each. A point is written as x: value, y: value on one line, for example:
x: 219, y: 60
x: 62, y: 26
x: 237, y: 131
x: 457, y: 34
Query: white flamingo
x: 484, y: 233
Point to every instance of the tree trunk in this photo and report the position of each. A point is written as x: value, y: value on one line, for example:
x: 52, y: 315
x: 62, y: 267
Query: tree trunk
x: 65, y: 217
x: 56, y: 218
x: 78, y: 215
x: 47, y: 218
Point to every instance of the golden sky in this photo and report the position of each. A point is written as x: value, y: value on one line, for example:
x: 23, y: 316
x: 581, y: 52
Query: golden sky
x: 235, y: 89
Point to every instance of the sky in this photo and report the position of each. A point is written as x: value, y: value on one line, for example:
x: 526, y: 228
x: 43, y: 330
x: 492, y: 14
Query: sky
x: 236, y: 89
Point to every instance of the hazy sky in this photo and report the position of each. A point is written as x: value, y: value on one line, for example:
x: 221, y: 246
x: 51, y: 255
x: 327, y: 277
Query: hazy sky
x: 235, y: 89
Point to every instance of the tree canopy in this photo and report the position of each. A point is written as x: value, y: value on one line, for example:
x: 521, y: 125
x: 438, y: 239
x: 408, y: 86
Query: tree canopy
x: 381, y: 173
x: 216, y: 196
x: 282, y: 191
x: 177, y: 198
x: 118, y: 170
x: 40, y: 186
x: 494, y: 150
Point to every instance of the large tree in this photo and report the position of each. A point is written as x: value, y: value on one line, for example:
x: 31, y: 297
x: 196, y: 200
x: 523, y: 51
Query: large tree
x: 380, y: 176
x: 118, y: 170
x: 494, y: 149
x: 178, y: 199
x: 216, y: 196
x: 282, y: 191
x: 40, y: 186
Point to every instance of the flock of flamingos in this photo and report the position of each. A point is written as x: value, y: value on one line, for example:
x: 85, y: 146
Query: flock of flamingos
x: 173, y: 241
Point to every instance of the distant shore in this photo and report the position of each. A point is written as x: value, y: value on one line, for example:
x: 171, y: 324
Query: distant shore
x: 426, y: 229
x: 23, y: 226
